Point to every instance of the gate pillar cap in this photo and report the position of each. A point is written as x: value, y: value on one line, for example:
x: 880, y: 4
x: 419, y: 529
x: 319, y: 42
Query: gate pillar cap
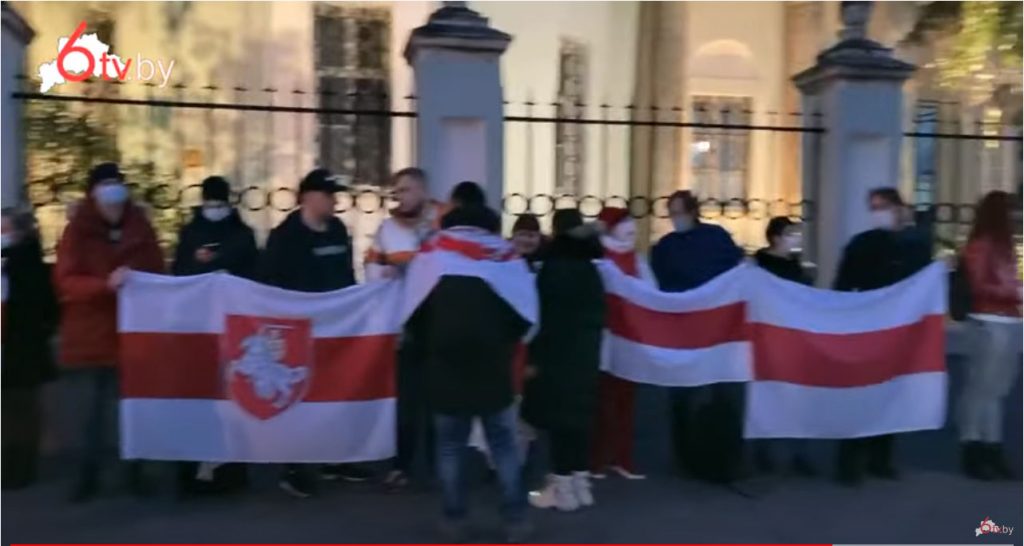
x: 455, y: 26
x: 855, y: 56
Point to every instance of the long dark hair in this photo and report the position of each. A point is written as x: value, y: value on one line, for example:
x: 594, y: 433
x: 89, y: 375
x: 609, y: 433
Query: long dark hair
x: 992, y: 219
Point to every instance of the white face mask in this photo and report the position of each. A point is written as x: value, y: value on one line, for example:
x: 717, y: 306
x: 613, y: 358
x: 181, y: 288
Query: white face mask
x: 110, y: 194
x: 883, y: 219
x: 216, y: 213
x: 791, y: 243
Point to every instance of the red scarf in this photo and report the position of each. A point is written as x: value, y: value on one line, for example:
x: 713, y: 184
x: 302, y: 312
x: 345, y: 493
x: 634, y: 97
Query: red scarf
x: 625, y: 260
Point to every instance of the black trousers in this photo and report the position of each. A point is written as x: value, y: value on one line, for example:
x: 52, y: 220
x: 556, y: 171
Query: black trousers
x: 707, y: 430
x: 570, y: 448
x: 21, y: 435
x: 873, y: 453
x: 415, y: 427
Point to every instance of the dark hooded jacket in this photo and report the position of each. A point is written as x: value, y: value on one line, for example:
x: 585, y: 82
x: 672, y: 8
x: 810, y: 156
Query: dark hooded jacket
x: 566, y: 352
x: 880, y: 257
x: 299, y: 258
x: 29, y: 316
x: 231, y: 241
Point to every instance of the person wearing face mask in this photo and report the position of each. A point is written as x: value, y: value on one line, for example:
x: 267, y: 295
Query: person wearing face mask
x: 29, y: 321
x: 693, y: 254
x: 107, y: 236
x: 311, y: 251
x: 216, y: 239
x: 612, y: 448
x: 395, y: 244
x: 781, y: 258
x: 884, y: 255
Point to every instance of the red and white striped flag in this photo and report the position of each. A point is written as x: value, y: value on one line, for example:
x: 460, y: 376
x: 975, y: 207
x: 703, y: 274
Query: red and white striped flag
x: 472, y: 252
x: 846, y: 364
x: 680, y: 339
x: 820, y: 364
x: 217, y: 368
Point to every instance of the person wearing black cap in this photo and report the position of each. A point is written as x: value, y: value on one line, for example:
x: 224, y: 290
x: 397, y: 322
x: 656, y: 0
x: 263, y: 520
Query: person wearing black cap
x: 216, y: 239
x: 310, y: 251
x: 107, y: 236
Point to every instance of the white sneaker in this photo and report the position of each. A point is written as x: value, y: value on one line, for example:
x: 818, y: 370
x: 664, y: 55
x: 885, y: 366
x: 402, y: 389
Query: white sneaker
x: 558, y: 493
x: 627, y: 474
x: 581, y: 487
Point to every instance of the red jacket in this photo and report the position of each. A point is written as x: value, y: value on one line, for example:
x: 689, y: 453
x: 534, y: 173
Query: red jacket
x: 85, y: 258
x: 992, y: 275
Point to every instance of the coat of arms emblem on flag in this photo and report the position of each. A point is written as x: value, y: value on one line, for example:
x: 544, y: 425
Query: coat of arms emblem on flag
x: 267, y: 362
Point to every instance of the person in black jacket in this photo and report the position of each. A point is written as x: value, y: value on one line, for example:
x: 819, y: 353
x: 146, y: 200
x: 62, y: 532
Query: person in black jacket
x: 781, y: 259
x: 561, y: 391
x: 890, y: 252
x: 216, y: 239
x: 29, y: 322
x: 470, y: 334
x: 310, y: 251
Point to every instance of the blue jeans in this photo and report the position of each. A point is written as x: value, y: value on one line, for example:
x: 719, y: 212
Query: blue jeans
x: 500, y: 429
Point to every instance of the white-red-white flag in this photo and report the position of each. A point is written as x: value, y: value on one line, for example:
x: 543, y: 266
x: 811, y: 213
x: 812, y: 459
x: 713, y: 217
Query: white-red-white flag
x: 218, y: 368
x: 697, y: 337
x: 846, y: 364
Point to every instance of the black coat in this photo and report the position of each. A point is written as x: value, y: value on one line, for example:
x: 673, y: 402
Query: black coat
x: 29, y: 317
x: 566, y: 352
x: 788, y: 268
x: 878, y: 258
x: 298, y: 258
x: 469, y: 336
x: 231, y: 241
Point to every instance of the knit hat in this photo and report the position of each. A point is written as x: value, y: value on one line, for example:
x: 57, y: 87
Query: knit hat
x: 215, y: 188
x: 526, y: 222
x: 612, y: 216
x: 104, y: 172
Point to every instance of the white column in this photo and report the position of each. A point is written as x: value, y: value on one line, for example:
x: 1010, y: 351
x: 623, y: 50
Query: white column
x: 858, y: 85
x: 460, y: 126
x: 15, y: 38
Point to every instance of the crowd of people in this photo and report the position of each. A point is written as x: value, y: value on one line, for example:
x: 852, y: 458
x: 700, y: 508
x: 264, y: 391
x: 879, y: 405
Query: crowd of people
x: 456, y: 353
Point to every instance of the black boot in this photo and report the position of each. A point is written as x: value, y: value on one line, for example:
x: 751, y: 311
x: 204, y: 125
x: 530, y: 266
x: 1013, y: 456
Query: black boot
x: 972, y: 461
x: 996, y: 462
x: 86, y: 485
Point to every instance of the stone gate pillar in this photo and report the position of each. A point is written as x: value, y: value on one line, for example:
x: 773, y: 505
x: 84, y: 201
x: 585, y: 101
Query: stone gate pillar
x: 459, y: 100
x: 857, y: 86
x: 15, y: 38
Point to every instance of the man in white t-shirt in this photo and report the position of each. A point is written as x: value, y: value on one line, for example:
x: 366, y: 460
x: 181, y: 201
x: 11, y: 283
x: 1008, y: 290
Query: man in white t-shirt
x: 395, y: 245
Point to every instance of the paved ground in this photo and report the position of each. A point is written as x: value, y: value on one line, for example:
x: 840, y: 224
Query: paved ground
x: 931, y: 504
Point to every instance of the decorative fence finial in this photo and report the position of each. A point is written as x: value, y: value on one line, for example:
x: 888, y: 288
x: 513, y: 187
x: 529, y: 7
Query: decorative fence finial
x: 855, y: 16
